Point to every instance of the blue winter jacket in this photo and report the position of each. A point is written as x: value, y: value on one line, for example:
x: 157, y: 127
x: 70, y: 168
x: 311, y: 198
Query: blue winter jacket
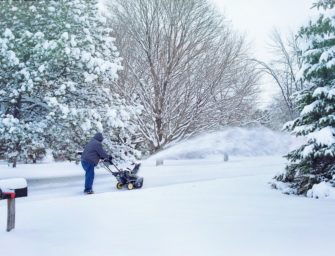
x: 94, y: 151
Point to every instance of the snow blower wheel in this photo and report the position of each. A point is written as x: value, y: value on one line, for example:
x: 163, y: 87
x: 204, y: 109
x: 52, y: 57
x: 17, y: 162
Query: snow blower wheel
x: 130, y: 186
x: 119, y: 185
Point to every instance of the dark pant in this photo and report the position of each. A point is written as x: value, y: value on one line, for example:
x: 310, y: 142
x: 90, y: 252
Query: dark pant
x: 89, y: 175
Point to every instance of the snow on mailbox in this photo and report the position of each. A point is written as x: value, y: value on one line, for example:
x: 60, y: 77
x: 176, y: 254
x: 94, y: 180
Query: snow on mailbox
x: 14, y: 187
x: 11, y: 189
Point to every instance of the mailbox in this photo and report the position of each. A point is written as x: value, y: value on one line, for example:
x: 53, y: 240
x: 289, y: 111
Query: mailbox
x: 13, y: 188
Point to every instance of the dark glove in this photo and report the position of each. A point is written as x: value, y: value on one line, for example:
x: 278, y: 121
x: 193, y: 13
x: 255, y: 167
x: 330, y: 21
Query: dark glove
x: 110, y: 159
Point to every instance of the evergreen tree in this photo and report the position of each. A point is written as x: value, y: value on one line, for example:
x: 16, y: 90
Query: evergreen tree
x: 314, y: 161
x: 58, y: 62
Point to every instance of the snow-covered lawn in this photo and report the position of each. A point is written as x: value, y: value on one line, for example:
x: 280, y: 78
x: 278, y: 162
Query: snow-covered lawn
x: 198, y: 207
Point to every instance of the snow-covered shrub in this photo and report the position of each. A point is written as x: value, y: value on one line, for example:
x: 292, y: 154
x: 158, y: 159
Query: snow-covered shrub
x: 322, y: 190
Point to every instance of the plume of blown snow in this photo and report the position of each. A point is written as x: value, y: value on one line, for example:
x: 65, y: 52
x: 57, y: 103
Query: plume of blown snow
x: 233, y: 141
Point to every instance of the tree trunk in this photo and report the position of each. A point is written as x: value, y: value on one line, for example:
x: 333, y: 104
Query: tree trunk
x: 14, y: 162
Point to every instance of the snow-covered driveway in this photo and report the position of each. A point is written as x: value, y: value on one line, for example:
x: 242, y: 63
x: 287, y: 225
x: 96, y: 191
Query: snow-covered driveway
x: 57, y: 180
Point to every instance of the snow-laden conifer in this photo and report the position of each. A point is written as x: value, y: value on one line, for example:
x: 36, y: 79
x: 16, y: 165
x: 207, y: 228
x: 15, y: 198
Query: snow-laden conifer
x: 314, y: 161
x: 58, y: 62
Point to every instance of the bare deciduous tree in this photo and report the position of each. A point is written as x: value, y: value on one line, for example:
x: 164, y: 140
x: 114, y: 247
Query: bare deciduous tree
x: 183, y: 63
x: 283, y: 69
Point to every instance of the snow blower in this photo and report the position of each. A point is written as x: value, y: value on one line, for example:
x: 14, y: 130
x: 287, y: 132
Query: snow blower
x: 125, y: 178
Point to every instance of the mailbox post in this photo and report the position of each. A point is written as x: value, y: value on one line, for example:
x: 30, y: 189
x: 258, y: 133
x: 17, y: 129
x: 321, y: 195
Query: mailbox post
x: 9, y: 190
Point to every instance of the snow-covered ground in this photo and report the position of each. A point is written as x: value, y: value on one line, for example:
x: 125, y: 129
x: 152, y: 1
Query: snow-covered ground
x: 188, y: 206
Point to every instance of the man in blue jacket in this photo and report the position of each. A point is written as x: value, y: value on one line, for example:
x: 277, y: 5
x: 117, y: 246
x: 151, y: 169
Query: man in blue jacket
x: 90, y: 157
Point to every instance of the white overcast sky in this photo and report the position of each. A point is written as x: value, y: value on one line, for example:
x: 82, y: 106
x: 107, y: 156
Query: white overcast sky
x: 257, y: 18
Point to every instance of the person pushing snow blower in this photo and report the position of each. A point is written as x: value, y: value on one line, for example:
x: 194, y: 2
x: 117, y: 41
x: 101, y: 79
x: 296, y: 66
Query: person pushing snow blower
x: 92, y: 154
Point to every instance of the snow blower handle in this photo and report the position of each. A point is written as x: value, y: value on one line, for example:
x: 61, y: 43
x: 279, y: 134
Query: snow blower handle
x: 110, y: 161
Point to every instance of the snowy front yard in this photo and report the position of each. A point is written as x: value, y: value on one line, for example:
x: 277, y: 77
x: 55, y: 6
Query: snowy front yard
x: 185, y: 208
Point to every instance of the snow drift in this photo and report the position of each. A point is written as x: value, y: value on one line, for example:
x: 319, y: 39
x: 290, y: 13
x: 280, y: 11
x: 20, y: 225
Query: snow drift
x: 233, y: 141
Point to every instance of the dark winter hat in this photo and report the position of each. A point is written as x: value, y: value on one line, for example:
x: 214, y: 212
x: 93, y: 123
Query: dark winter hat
x: 98, y: 136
